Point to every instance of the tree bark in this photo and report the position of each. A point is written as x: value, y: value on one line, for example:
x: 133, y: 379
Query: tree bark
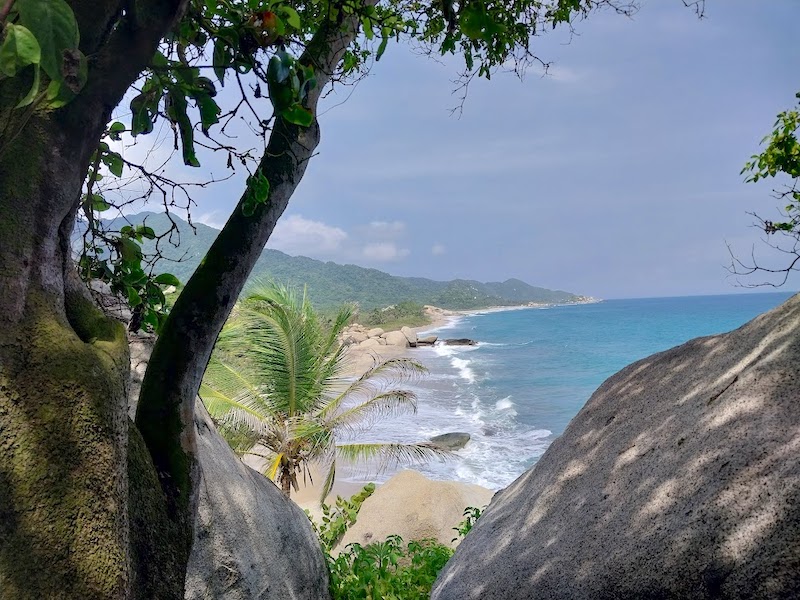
x: 64, y: 368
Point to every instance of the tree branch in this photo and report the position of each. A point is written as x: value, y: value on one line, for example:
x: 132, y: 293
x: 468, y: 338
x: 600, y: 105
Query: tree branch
x: 166, y: 406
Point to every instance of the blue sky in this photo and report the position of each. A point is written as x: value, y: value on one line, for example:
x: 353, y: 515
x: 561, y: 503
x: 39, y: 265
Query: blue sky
x: 615, y: 175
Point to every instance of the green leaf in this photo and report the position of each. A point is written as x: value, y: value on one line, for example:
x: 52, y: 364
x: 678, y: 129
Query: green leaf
x: 133, y: 296
x: 54, y: 26
x: 19, y: 49
x: 176, y: 110
x: 31, y: 95
x: 299, y: 115
x: 130, y: 251
x: 114, y: 163
x: 167, y: 279
x: 141, y: 121
x: 146, y: 232
x: 98, y: 203
x: 116, y: 130
x: 292, y: 18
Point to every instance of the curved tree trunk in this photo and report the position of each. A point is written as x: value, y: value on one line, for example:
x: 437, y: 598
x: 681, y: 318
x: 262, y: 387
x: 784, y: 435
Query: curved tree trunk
x: 166, y: 404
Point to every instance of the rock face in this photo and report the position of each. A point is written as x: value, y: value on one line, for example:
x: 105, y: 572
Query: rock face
x: 396, y: 338
x: 416, y: 508
x: 411, y: 336
x: 680, y: 478
x: 250, y: 541
x: 451, y: 441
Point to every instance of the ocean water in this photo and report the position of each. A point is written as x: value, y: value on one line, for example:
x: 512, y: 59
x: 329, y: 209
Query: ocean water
x: 532, y: 371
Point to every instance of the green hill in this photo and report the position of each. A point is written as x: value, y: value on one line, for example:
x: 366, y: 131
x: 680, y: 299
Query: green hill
x: 331, y: 284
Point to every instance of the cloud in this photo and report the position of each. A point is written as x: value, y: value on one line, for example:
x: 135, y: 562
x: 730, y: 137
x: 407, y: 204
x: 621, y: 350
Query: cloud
x: 385, y: 229
x: 384, y: 252
x: 297, y: 235
x: 438, y: 249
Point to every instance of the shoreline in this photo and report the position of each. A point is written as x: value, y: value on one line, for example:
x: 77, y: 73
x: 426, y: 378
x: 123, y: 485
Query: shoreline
x: 308, y: 495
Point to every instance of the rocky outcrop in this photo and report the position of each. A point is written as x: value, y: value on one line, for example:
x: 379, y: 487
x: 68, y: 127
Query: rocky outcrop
x: 416, y: 508
x: 428, y: 340
x: 459, y: 342
x: 680, y: 478
x: 250, y: 540
x: 375, y: 332
x: 411, y: 336
x: 451, y: 441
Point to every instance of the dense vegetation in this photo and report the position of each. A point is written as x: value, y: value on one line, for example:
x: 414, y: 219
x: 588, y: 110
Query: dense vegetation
x: 386, y: 570
x: 407, y: 313
x: 331, y: 284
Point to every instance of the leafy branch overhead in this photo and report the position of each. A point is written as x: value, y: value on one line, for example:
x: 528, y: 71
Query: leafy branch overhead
x: 780, y: 160
x: 267, y: 55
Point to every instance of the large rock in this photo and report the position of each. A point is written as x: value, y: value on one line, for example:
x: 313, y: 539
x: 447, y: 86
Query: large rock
x: 460, y: 342
x: 375, y: 332
x: 451, y: 441
x: 416, y: 508
x: 680, y: 478
x: 370, y: 343
x: 396, y: 338
x: 250, y: 540
x: 411, y: 336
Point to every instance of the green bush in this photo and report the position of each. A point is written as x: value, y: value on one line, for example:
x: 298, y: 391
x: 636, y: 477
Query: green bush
x: 387, y: 570
x: 390, y: 570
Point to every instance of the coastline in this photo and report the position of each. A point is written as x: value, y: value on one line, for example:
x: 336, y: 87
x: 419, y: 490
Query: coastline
x: 362, y: 359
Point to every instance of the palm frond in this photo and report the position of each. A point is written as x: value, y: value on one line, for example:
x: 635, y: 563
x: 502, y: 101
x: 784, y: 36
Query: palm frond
x: 390, y: 454
x: 327, y: 485
x: 362, y: 416
x: 271, y: 472
x: 371, y: 382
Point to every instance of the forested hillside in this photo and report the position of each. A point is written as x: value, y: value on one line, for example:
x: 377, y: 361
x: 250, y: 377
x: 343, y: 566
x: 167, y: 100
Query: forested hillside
x: 331, y: 284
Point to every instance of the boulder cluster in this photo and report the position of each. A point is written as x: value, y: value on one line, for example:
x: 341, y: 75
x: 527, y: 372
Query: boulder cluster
x: 371, y: 338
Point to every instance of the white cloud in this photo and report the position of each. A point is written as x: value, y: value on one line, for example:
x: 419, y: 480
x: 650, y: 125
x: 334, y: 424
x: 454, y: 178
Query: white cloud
x: 384, y: 252
x: 386, y: 229
x: 297, y: 235
x: 438, y: 249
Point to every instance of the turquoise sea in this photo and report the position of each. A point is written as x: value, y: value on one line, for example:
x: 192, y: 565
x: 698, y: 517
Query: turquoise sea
x: 533, y: 369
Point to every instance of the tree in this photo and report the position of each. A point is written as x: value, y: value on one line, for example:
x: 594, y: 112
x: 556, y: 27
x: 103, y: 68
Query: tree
x: 91, y: 505
x: 276, y: 379
x: 780, y: 159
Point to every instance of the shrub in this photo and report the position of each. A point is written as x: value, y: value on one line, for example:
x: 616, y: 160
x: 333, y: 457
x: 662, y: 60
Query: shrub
x: 389, y: 570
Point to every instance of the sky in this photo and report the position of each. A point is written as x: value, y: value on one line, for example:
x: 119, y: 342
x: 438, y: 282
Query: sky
x: 615, y: 175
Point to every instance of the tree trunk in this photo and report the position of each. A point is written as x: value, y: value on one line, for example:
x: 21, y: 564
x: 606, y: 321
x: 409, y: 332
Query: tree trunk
x: 65, y: 522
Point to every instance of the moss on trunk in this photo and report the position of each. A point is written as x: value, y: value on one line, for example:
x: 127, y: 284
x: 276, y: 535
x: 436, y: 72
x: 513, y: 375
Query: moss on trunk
x: 63, y: 484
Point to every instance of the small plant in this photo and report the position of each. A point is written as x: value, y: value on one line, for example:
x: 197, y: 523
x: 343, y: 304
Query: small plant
x: 471, y: 514
x: 387, y: 570
x: 337, y: 519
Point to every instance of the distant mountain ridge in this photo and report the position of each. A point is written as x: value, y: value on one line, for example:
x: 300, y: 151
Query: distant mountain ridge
x: 331, y: 284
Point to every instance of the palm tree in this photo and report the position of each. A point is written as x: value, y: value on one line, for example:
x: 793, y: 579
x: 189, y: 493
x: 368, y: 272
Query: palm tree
x: 275, y: 381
